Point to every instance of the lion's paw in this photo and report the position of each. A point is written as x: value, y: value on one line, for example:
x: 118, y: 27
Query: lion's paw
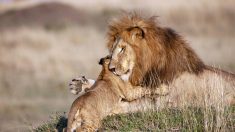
x: 80, y: 85
x: 162, y: 90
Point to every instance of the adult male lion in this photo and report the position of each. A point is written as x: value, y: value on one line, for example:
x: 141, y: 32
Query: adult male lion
x: 159, y: 56
x: 163, y: 57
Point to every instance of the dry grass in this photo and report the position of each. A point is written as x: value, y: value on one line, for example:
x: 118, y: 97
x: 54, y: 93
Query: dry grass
x: 37, y: 62
x: 186, y: 119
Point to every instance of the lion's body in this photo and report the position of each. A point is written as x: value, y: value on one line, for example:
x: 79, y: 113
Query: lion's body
x: 163, y: 57
x: 212, y: 87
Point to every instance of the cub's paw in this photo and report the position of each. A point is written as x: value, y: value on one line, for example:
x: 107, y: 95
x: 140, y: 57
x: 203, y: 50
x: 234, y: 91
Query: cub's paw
x: 80, y: 85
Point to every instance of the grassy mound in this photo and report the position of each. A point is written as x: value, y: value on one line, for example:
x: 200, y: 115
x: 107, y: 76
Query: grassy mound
x: 57, y: 122
x: 188, y: 119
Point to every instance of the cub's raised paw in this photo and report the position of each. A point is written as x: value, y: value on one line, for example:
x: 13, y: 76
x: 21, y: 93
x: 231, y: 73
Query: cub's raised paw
x: 80, y: 85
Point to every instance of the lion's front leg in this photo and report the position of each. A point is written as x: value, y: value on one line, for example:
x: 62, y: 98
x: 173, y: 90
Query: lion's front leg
x: 141, y: 104
x: 80, y: 85
x: 135, y: 92
x: 162, y: 90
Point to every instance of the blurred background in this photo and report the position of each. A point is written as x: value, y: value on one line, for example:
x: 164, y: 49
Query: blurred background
x: 46, y: 43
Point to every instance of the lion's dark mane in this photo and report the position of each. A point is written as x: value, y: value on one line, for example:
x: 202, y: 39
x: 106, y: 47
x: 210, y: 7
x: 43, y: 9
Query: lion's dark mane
x: 169, y: 57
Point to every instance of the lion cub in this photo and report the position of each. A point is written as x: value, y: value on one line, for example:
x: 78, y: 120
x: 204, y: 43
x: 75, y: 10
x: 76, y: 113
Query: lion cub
x: 103, y: 97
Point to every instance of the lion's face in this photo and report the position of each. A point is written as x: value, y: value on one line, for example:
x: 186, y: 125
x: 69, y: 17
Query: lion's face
x: 153, y: 53
x: 127, y: 46
x: 122, y: 58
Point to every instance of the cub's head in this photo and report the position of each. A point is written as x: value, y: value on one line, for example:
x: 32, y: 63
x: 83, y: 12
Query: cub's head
x: 105, y: 61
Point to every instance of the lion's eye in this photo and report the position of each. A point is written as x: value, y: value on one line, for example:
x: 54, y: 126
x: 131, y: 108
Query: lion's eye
x: 122, y: 50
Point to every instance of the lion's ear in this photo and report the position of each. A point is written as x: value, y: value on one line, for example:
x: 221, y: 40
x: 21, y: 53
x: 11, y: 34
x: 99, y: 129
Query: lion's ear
x: 137, y: 33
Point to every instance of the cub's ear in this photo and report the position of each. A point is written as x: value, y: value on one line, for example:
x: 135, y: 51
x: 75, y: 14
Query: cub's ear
x: 137, y: 33
x: 105, y: 60
x: 101, y: 62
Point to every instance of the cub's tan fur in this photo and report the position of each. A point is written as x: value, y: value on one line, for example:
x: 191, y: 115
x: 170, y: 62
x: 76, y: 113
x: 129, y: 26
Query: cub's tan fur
x: 103, y: 99
x: 159, y: 56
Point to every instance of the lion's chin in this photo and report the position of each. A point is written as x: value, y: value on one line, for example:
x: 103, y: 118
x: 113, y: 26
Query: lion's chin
x: 121, y: 73
x: 124, y: 75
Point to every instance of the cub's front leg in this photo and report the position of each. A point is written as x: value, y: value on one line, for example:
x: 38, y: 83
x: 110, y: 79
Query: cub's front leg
x: 87, y: 128
x: 80, y: 85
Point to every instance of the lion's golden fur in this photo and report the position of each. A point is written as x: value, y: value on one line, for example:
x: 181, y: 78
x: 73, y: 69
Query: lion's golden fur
x: 162, y: 56
x: 168, y: 56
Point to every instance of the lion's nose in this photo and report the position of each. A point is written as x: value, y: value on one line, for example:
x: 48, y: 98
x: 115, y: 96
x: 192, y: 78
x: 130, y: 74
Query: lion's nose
x: 112, y: 69
x: 111, y: 66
